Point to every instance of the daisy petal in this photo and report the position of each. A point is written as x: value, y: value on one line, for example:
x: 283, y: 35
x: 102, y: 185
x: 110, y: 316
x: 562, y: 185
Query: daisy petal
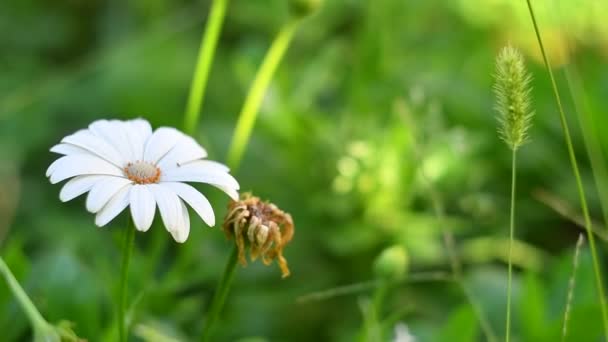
x: 195, y: 199
x: 168, y: 205
x: 233, y: 193
x: 80, y: 164
x: 87, y: 140
x: 185, y: 151
x: 143, y: 207
x: 160, y: 143
x: 78, y: 186
x: 115, y: 206
x: 53, y: 167
x: 201, y: 173
x: 103, y: 191
x: 67, y: 149
x: 138, y: 132
x: 183, y: 229
x: 115, y: 133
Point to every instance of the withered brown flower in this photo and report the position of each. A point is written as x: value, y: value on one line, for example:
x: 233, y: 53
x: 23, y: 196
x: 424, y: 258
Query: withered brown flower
x: 266, y: 228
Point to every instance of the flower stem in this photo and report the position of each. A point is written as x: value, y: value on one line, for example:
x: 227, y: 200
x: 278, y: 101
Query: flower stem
x: 127, y: 250
x: 579, y: 183
x: 256, y: 93
x: 511, y: 237
x: 43, y: 331
x: 221, y: 292
x: 371, y: 329
x: 203, y: 64
x: 239, y: 142
x: 448, y: 237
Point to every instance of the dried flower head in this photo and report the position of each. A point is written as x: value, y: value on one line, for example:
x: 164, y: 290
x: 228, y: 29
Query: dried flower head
x: 512, y: 89
x: 266, y: 228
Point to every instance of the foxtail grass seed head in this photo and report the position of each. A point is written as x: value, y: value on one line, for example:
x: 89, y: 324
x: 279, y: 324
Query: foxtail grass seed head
x: 512, y: 90
x: 262, y: 226
x: 392, y: 263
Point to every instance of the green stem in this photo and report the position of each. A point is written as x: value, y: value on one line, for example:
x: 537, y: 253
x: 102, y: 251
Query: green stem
x: 448, y: 237
x: 203, y: 65
x: 127, y: 250
x: 256, y: 93
x: 371, y: 284
x: 511, y: 238
x: 42, y: 329
x: 221, y: 292
x: 239, y: 142
x: 585, y: 114
x: 579, y: 183
x: 571, y: 284
x: 371, y: 329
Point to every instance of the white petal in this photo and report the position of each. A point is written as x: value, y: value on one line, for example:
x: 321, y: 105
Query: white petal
x: 138, y: 132
x: 168, y: 205
x: 115, y: 133
x: 80, y: 164
x: 195, y: 199
x: 53, y: 167
x: 102, y: 191
x: 186, y: 150
x: 115, y: 206
x: 160, y: 143
x: 87, y: 140
x: 201, y: 173
x: 143, y: 207
x: 233, y: 193
x: 183, y: 229
x: 67, y: 149
x: 78, y: 186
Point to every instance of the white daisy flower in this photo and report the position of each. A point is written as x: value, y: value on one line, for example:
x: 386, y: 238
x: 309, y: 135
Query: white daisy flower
x: 124, y: 163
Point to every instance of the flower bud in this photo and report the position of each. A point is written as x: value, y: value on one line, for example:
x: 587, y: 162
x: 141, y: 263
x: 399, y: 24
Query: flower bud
x: 303, y: 8
x: 392, y: 263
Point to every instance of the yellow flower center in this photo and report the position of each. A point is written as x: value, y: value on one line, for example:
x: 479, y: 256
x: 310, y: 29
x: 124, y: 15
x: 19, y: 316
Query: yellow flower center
x: 142, y: 172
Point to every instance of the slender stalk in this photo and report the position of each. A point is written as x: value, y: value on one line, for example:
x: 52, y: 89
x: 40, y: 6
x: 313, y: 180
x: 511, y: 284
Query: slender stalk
x: 221, y: 292
x: 511, y: 238
x: 42, y: 329
x: 448, y: 237
x: 127, y: 251
x: 579, y: 183
x: 585, y: 114
x: 372, y: 331
x: 571, y: 284
x: 590, y: 136
x: 203, y: 64
x: 251, y: 107
x: 563, y: 209
x: 239, y: 142
x: 371, y: 284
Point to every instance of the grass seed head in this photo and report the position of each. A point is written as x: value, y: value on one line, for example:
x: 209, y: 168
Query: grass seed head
x: 512, y: 90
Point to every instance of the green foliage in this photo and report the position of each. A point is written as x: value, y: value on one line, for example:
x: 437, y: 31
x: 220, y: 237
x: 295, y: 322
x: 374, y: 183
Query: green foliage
x: 328, y: 147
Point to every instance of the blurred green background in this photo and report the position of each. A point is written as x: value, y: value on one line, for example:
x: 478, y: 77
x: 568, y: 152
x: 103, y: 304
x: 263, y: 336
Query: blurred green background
x: 330, y: 146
